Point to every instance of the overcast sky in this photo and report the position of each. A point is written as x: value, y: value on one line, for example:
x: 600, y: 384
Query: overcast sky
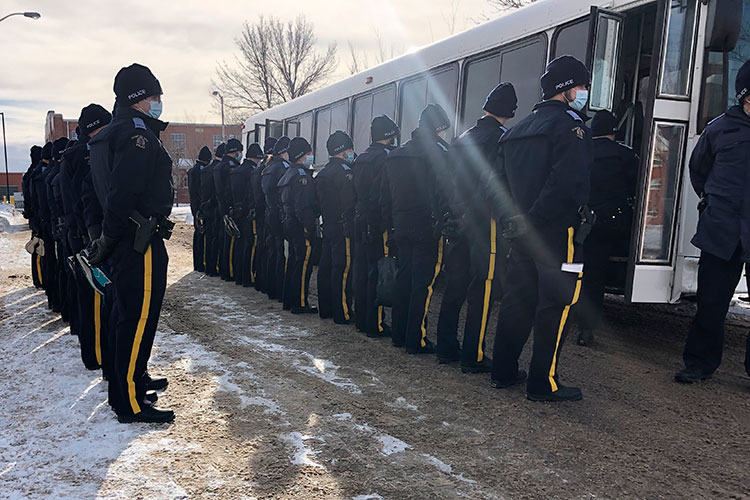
x: 70, y: 56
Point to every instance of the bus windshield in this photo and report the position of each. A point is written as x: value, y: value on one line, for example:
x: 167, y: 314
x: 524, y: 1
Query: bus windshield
x: 720, y: 71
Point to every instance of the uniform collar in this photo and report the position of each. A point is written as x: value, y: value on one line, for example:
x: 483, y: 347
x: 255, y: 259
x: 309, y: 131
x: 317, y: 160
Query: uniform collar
x: 153, y: 124
x: 490, y: 122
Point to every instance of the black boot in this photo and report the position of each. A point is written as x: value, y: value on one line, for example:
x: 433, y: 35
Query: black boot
x: 484, y: 366
x: 690, y: 376
x: 148, y: 414
x: 520, y: 378
x: 561, y: 394
x: 155, y: 384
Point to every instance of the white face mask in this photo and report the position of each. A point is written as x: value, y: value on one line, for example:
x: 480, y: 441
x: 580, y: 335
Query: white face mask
x: 582, y: 97
x: 309, y: 159
x: 154, y: 110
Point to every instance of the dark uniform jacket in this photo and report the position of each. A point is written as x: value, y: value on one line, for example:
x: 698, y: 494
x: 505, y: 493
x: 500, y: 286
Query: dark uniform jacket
x: 270, y: 178
x: 368, y: 174
x: 75, y: 159
x: 719, y: 173
x: 29, y: 210
x: 194, y: 188
x: 472, y: 157
x: 298, y: 200
x: 336, y: 197
x: 54, y: 200
x: 243, y: 204
x: 258, y: 198
x: 131, y: 170
x: 416, y: 197
x: 39, y: 195
x: 222, y: 184
x: 545, y: 162
x: 614, y: 174
x: 208, y: 189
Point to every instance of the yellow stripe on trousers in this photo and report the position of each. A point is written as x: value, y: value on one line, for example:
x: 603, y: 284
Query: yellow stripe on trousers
x: 231, y: 258
x: 98, y: 327
x: 204, y: 251
x: 39, y: 268
x: 139, y: 330
x: 380, y: 308
x: 438, y: 265
x: 304, y: 272
x: 488, y: 287
x: 566, y: 311
x: 252, y: 252
x: 348, y: 245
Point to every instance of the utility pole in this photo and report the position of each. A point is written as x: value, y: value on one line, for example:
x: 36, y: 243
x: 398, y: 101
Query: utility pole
x: 221, y: 98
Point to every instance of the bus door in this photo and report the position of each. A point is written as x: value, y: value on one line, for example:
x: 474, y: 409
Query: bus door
x: 274, y: 128
x: 667, y: 113
x: 259, y: 134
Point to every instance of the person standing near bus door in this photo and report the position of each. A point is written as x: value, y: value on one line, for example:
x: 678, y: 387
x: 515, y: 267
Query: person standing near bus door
x: 194, y: 188
x: 259, y: 260
x: 544, y: 166
x: 209, y: 208
x: 270, y: 177
x: 222, y: 182
x: 719, y: 175
x: 243, y: 214
x: 416, y: 173
x: 373, y: 236
x: 614, y: 174
x: 471, y: 260
x: 300, y: 215
x: 335, y: 189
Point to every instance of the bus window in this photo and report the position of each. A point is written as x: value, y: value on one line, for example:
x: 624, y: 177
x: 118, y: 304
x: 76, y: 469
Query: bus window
x: 340, y: 117
x: 292, y: 128
x: 322, y: 131
x: 605, y: 62
x: 522, y: 66
x: 571, y: 40
x: 413, y: 98
x: 481, y: 78
x: 305, y: 126
x: 678, y: 51
x: 719, y: 73
x: 361, y: 125
x: 384, y: 102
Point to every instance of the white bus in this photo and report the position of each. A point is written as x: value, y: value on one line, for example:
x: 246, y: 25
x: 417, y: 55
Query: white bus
x: 666, y: 67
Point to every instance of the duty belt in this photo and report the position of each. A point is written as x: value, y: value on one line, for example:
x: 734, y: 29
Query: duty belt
x: 147, y: 228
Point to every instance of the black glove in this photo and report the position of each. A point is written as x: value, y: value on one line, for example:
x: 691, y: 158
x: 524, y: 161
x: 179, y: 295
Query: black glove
x: 101, y: 248
x: 515, y: 227
x: 702, y: 204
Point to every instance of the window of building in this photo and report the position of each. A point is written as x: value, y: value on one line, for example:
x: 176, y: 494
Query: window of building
x: 572, y: 40
x: 521, y: 64
x: 439, y: 87
x: 178, y: 144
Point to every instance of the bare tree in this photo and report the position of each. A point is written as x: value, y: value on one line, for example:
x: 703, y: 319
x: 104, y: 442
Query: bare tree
x: 451, y: 17
x: 277, y: 62
x: 360, y: 60
x: 509, y: 4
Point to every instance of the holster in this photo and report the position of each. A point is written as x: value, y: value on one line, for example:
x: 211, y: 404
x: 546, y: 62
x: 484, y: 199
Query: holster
x: 588, y: 219
x: 146, y: 228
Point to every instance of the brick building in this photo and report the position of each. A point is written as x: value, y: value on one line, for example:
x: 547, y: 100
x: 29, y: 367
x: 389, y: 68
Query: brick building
x: 183, y: 141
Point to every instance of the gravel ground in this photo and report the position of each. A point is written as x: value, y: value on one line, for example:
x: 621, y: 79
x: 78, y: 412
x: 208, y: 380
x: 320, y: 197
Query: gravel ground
x: 271, y: 405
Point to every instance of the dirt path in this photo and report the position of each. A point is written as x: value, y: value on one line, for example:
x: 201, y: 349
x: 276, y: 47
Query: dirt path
x: 271, y: 405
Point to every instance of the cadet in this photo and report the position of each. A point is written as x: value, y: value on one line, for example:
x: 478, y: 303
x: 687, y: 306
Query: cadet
x: 614, y: 174
x: 213, y: 224
x: 243, y: 213
x: 335, y: 189
x: 414, y: 174
x: 270, y: 177
x: 300, y: 213
x: 373, y: 235
x: 259, y: 260
x: 75, y: 167
x: 56, y: 221
x: 132, y: 174
x: 718, y: 173
x: 194, y: 188
x: 42, y: 209
x: 229, y: 234
x: 29, y: 214
x: 544, y: 166
x: 472, y: 262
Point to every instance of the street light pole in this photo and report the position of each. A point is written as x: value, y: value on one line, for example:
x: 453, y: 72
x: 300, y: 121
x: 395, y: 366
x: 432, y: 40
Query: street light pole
x: 30, y: 15
x: 221, y: 98
x: 5, y: 152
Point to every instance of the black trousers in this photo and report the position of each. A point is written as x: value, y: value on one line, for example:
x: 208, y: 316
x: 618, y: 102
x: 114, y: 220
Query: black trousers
x: 199, y: 248
x: 275, y: 264
x: 457, y: 277
x: 49, y: 269
x: 225, y: 248
x: 325, y: 291
x: 717, y: 280
x: 604, y: 241
x: 538, y: 294
x: 375, y: 315
x: 36, y: 270
x: 211, y: 245
x: 418, y: 264
x: 90, y: 322
x: 140, y: 282
x: 340, y: 277
x: 359, y: 283
x: 258, y: 256
x: 299, y: 270
x: 64, y: 286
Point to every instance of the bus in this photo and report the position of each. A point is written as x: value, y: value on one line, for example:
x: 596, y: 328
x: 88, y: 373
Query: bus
x: 664, y: 67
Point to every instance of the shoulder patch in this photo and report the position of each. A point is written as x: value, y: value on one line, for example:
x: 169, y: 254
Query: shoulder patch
x: 442, y: 147
x: 140, y: 141
x: 574, y: 115
x: 302, y: 172
x: 579, y: 132
x: 139, y: 123
x: 345, y: 166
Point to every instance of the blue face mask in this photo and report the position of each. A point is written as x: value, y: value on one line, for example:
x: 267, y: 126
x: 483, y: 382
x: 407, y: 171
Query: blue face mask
x: 582, y: 97
x: 309, y: 160
x: 154, y: 110
x: 239, y: 157
x: 350, y: 157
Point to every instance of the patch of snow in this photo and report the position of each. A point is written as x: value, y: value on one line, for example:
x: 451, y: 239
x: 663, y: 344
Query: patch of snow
x: 392, y: 445
x: 343, y: 416
x: 367, y: 497
x: 302, y: 453
x: 401, y: 402
x: 447, y: 469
